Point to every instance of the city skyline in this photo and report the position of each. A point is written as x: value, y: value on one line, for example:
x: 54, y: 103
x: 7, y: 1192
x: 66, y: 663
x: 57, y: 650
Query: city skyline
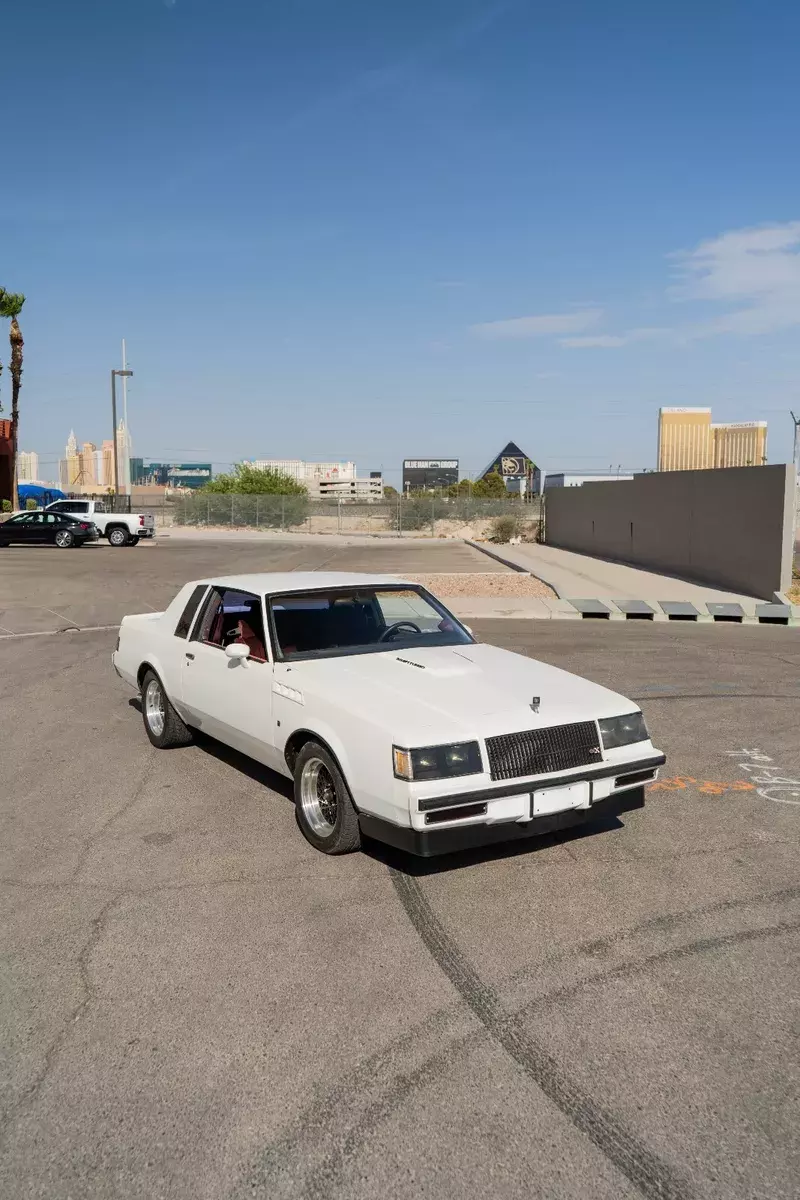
x: 406, y: 223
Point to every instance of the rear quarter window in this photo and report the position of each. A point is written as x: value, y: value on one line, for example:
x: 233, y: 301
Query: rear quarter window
x: 187, y: 616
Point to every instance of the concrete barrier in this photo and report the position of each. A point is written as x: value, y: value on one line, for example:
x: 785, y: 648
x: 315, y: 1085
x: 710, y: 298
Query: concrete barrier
x: 731, y: 527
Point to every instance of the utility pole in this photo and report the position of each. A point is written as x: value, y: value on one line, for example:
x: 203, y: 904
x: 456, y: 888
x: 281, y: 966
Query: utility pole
x: 127, y: 452
x: 796, y: 457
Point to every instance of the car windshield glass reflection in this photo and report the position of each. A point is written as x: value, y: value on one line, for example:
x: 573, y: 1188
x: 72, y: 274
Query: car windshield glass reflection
x: 358, y: 621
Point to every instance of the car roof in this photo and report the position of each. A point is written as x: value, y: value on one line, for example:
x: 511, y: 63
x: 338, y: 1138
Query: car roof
x: 272, y: 583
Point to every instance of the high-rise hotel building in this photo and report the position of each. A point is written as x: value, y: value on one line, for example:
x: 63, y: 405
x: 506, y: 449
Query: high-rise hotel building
x: 688, y: 441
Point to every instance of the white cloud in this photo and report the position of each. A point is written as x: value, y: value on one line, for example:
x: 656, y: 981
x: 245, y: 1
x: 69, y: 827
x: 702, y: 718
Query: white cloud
x: 611, y: 341
x: 747, y: 280
x: 545, y: 325
x: 760, y: 267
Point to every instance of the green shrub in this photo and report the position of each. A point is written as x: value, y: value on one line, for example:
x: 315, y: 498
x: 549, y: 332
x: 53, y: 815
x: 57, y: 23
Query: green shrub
x: 6, y: 506
x: 504, y: 528
x: 31, y: 504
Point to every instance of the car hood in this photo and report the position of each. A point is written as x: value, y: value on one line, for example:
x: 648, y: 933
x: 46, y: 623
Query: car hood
x: 448, y: 687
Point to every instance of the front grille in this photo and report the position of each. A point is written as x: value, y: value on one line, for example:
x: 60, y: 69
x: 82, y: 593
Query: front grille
x: 542, y: 751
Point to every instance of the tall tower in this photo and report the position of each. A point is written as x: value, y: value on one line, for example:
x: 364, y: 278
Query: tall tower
x: 124, y: 447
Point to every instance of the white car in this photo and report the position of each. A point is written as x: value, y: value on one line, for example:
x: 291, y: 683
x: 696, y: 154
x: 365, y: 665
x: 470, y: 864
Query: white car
x: 392, y: 720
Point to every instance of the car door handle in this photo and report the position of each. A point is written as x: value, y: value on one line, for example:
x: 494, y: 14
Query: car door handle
x: 191, y: 656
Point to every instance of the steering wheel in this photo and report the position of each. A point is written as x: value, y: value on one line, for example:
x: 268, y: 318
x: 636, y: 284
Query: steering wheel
x: 390, y: 630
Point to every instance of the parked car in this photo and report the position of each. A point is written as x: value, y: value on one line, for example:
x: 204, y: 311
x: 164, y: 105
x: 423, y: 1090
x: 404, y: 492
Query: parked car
x: 390, y: 718
x: 121, y: 529
x: 37, y: 527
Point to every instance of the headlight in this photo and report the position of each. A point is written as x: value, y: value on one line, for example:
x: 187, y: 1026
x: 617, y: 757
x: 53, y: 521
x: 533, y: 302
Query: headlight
x: 622, y: 731
x: 437, y: 762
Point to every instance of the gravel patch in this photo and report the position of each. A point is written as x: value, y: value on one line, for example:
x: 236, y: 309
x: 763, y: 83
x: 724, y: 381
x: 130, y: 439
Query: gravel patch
x: 488, y: 583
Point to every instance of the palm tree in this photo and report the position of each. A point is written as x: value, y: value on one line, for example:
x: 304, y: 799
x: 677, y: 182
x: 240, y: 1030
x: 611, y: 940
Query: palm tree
x: 11, y: 306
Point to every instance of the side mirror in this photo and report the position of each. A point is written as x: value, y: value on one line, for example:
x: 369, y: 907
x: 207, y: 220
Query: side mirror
x: 237, y: 651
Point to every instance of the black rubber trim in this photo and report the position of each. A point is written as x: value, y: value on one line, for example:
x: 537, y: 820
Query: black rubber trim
x: 432, y: 841
x: 427, y: 803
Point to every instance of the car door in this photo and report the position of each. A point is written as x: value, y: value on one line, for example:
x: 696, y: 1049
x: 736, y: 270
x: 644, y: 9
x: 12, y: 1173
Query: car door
x: 28, y: 528
x: 230, y: 699
x: 15, y: 529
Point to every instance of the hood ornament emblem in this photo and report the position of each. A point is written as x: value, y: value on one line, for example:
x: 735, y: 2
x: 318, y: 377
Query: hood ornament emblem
x: 535, y: 702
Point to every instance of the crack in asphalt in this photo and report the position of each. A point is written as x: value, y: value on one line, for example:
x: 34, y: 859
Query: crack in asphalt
x: 92, y: 841
x: 96, y: 930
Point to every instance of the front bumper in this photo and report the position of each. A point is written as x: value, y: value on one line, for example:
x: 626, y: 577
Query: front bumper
x: 429, y: 842
x: 449, y: 820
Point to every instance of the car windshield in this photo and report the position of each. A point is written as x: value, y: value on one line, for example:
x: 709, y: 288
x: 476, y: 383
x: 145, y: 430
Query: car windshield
x: 361, y: 620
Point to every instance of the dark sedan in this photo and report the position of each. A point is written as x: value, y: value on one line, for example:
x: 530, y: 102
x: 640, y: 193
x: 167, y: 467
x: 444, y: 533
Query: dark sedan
x: 37, y: 528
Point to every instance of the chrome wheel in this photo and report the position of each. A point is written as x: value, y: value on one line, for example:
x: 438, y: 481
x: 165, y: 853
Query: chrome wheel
x: 63, y: 539
x: 318, y: 797
x: 154, y: 707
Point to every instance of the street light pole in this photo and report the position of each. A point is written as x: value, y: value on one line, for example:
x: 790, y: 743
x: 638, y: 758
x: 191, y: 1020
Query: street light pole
x: 114, y: 375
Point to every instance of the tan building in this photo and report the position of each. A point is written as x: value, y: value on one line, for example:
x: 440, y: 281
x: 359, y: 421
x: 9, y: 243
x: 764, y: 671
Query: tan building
x: 88, y: 467
x: 688, y: 441
x: 684, y: 439
x: 741, y: 444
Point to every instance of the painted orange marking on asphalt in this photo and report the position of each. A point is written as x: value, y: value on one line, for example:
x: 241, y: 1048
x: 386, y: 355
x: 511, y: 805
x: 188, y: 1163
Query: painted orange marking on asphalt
x: 706, y: 787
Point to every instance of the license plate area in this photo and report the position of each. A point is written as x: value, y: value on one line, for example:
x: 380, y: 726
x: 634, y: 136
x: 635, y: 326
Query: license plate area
x: 559, y: 799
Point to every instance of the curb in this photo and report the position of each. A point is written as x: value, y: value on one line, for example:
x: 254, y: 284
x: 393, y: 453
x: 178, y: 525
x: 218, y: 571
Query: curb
x: 508, y: 563
x: 652, y: 611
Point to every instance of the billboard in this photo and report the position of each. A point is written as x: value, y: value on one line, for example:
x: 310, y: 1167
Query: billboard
x: 427, y: 473
x: 173, y: 475
x: 188, y: 475
x: 511, y: 463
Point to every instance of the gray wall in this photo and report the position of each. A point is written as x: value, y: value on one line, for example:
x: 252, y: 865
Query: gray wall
x: 729, y: 527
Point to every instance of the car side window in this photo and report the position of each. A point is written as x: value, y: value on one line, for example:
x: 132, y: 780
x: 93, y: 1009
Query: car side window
x: 79, y: 507
x: 232, y: 616
x: 51, y: 518
x: 187, y: 616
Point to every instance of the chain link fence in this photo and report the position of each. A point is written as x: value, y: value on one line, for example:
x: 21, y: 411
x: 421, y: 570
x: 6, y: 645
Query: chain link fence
x: 423, y: 516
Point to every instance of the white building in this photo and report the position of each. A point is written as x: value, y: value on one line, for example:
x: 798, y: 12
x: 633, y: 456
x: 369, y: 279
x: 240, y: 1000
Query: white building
x: 27, y: 466
x: 307, y: 472
x: 571, y: 479
x: 326, y: 480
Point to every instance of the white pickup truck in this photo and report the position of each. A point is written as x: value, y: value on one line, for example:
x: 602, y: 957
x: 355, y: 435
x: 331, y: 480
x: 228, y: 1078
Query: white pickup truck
x: 121, y: 529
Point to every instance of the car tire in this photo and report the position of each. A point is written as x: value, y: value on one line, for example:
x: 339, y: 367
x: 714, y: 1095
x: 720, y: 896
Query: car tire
x: 133, y: 541
x: 64, y: 539
x: 323, y: 805
x: 118, y: 536
x: 162, y: 724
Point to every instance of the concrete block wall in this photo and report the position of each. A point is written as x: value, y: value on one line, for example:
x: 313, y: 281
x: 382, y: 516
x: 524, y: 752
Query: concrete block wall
x: 732, y: 527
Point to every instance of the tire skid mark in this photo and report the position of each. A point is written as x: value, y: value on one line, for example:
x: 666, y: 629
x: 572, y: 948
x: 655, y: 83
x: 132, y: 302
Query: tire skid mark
x: 634, y: 966
x: 312, y: 1154
x: 311, y: 1157
x: 655, y: 1179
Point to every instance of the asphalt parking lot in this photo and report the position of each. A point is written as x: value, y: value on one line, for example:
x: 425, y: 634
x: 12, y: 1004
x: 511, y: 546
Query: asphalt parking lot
x: 98, y: 584
x: 196, y: 1004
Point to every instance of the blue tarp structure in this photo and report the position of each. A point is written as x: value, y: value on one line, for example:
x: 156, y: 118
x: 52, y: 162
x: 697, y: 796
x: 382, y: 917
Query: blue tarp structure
x: 42, y: 495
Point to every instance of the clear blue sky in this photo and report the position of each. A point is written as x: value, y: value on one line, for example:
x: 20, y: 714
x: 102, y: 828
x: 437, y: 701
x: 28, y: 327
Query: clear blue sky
x: 383, y: 228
